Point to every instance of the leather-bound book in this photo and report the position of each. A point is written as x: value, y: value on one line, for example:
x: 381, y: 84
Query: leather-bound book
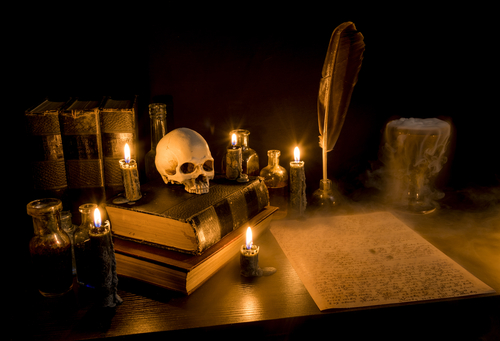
x: 81, y: 136
x: 46, y: 147
x: 179, y: 271
x: 169, y: 217
x: 118, y: 127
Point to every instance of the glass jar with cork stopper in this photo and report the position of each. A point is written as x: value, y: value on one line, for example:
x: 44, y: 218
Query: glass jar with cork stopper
x: 50, y: 248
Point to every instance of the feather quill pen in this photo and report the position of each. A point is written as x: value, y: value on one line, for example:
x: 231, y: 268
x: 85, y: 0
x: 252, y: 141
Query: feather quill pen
x: 339, y: 75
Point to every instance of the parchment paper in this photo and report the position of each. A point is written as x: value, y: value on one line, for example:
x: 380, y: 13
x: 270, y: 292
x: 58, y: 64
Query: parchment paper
x: 370, y: 259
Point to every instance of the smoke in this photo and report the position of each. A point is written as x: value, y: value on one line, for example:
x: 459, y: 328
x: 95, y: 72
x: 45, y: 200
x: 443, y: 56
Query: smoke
x: 413, y: 153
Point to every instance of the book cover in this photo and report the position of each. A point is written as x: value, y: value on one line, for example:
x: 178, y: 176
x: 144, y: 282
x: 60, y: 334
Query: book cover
x: 169, y: 216
x: 118, y: 127
x: 178, y: 271
x: 46, y: 146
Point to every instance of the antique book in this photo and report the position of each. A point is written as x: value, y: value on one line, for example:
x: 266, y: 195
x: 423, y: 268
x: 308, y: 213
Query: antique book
x: 178, y: 271
x: 46, y: 148
x: 81, y: 136
x: 118, y: 127
x: 172, y: 218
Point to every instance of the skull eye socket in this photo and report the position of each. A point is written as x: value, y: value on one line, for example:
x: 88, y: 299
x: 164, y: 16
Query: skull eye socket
x: 187, y: 168
x: 208, y: 166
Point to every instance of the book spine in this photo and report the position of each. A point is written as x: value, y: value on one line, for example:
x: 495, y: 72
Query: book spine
x: 82, y: 148
x: 118, y: 128
x: 228, y: 214
x: 48, y: 168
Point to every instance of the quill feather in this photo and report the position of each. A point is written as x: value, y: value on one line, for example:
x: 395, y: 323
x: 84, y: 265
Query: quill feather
x: 339, y: 76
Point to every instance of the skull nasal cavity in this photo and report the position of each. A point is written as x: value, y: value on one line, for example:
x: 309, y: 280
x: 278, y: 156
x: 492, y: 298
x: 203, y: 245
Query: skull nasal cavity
x: 187, y: 168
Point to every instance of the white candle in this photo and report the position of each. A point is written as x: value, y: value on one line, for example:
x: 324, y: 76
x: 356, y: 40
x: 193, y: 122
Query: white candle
x: 298, y: 200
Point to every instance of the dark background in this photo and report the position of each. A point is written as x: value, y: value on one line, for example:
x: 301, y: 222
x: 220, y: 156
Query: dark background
x: 258, y: 68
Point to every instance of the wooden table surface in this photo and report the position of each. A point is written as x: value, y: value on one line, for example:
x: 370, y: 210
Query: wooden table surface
x: 279, y: 306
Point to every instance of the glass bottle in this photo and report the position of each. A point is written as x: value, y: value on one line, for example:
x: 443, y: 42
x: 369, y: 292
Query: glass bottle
x: 276, y: 180
x: 69, y: 228
x: 50, y: 248
x: 250, y: 158
x: 82, y: 245
x: 158, y: 122
x: 325, y: 197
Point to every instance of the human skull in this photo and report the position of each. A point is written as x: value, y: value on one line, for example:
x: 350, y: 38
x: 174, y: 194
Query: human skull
x: 183, y: 157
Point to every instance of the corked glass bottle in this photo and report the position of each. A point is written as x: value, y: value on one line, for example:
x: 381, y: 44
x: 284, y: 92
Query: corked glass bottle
x: 82, y: 245
x: 50, y: 248
x: 158, y: 122
x: 276, y: 180
x: 69, y: 228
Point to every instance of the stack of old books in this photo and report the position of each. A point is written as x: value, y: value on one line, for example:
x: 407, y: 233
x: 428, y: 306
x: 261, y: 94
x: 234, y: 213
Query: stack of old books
x: 177, y: 240
x: 76, y: 142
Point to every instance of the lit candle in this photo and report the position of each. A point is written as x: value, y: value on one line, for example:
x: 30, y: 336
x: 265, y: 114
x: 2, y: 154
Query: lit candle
x: 102, y: 262
x: 234, y: 160
x: 298, y: 200
x: 130, y: 176
x: 249, y: 257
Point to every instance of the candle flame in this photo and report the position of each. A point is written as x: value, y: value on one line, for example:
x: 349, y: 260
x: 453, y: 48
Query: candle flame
x: 127, y: 153
x: 97, y: 218
x: 233, y: 140
x: 249, y: 238
x: 296, y: 154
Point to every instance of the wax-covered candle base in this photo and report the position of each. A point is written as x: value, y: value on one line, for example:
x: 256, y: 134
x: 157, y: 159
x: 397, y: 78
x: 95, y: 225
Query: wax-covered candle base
x: 131, y: 183
x: 104, y: 277
x: 233, y: 163
x: 249, y: 263
x: 298, y: 200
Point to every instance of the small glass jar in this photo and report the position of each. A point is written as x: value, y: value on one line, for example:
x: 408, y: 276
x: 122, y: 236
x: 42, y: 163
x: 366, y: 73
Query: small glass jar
x: 276, y: 180
x: 82, y: 245
x: 50, y: 248
x: 250, y: 159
